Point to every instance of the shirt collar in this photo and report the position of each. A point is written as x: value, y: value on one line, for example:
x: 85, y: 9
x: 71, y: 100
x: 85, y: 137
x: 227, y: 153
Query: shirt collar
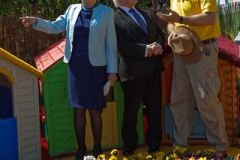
x: 126, y: 9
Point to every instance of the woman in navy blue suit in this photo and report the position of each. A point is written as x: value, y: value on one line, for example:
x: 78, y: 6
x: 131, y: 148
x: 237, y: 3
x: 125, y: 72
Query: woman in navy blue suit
x: 91, y: 54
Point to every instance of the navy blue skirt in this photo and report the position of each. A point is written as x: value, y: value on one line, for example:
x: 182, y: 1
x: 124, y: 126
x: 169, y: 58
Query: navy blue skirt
x: 86, y: 83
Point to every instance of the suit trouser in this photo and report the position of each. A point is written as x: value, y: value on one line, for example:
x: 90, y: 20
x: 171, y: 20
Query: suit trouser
x: 146, y: 89
x: 200, y: 81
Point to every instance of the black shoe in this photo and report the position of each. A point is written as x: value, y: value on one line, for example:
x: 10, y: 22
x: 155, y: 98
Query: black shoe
x: 127, y: 152
x: 81, y: 153
x: 79, y: 158
x: 97, y: 152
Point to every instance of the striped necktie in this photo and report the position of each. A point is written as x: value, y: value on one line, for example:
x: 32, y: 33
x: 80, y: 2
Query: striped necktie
x: 139, y: 20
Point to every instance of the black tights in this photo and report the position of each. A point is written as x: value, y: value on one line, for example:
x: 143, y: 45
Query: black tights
x: 80, y: 127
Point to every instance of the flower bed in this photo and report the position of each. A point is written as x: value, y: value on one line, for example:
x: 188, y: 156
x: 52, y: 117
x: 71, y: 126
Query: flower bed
x: 178, y: 153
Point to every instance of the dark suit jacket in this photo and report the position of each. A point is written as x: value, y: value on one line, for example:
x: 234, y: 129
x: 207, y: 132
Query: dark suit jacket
x: 132, y: 41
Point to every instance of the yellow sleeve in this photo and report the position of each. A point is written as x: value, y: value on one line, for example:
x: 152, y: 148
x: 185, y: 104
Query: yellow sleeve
x: 208, y: 6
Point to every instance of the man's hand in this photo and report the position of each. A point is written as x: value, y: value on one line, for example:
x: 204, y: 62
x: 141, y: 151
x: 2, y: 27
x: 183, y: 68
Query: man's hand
x: 27, y: 21
x: 201, y: 19
x: 154, y: 49
x: 150, y: 50
x: 157, y: 49
x: 172, y: 17
x: 172, y: 35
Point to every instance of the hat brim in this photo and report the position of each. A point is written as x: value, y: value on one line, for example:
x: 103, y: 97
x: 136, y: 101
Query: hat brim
x: 197, y: 49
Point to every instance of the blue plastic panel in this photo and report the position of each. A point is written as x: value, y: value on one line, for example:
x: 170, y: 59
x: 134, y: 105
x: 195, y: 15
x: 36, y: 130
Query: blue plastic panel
x: 8, y: 139
x: 198, y: 128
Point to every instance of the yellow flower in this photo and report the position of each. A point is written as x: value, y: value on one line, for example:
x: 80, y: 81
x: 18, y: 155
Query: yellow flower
x: 174, y: 156
x: 159, y: 155
x: 101, y: 156
x: 149, y: 156
x: 237, y: 156
x: 209, y: 150
x: 179, y: 149
x: 145, y: 155
x: 142, y: 155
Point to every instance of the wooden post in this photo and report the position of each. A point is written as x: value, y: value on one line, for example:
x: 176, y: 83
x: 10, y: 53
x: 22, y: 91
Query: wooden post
x: 154, y: 7
x: 33, y: 9
x: 17, y: 49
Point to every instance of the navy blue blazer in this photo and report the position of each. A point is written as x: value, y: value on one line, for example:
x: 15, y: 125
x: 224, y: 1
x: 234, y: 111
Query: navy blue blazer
x: 132, y: 42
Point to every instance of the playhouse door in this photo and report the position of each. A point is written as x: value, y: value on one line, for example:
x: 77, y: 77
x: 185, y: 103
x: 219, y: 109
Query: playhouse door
x: 60, y: 131
x: 59, y: 120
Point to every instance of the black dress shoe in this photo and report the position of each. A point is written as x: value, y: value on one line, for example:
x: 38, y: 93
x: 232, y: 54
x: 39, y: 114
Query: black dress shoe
x: 127, y: 152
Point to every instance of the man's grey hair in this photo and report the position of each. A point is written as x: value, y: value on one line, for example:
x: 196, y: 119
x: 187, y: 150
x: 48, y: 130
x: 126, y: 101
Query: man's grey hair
x: 116, y: 4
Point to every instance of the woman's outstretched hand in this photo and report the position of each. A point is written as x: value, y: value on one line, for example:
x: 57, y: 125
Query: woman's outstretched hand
x: 28, y: 21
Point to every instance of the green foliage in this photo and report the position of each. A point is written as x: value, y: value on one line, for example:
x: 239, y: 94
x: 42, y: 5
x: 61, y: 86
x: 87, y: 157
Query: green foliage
x: 52, y: 8
x: 144, y: 4
x: 107, y: 3
x: 27, y: 43
x: 9, y: 1
x: 12, y: 8
x: 229, y: 16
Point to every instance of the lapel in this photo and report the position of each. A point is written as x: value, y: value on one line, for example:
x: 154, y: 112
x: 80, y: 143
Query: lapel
x: 96, y: 18
x: 129, y: 20
x: 75, y: 12
x: 146, y: 19
x: 93, y: 19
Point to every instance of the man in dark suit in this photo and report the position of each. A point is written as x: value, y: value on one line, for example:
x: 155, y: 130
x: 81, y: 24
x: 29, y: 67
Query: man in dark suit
x: 140, y: 44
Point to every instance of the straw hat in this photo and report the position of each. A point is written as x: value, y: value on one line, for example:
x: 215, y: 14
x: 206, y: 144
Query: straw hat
x: 187, y: 45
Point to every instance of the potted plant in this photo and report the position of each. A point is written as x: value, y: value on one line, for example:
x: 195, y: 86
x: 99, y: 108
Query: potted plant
x: 237, y: 131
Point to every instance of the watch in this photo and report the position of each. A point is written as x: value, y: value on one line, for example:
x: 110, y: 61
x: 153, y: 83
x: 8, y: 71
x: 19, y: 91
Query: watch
x: 181, y: 19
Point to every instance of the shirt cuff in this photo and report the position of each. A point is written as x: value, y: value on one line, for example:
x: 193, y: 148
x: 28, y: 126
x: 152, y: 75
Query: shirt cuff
x: 146, y: 51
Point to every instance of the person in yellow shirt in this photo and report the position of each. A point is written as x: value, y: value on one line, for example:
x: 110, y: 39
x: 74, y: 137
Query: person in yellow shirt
x: 196, y: 81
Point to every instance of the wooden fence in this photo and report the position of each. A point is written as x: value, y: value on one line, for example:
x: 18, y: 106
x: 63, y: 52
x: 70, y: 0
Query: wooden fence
x: 27, y: 43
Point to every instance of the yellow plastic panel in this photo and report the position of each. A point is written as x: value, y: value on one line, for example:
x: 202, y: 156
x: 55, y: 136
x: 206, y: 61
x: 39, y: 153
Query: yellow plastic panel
x: 109, y: 130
